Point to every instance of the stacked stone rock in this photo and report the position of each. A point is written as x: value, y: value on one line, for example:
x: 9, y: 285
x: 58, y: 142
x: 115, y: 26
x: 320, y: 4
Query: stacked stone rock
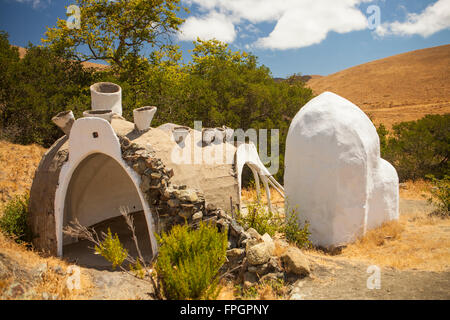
x: 255, y: 261
x: 175, y: 204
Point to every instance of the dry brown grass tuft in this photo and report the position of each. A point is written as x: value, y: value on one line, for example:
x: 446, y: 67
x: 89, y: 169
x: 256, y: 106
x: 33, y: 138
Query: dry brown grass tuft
x: 266, y: 292
x: 377, y: 237
x: 52, y: 283
x: 415, y: 242
x: 415, y: 190
x: 280, y: 248
x: 55, y: 284
x: 249, y: 195
x: 18, y: 164
x: 227, y: 291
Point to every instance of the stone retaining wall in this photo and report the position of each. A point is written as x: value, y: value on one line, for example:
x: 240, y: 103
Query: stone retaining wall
x: 173, y: 204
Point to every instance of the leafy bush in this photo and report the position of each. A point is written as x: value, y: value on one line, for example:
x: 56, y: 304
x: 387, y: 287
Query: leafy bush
x: 138, y: 270
x: 112, y: 250
x: 440, y: 195
x: 13, y: 222
x: 34, y: 89
x: 418, y: 148
x: 383, y: 134
x: 260, y: 218
x: 189, y: 261
x: 294, y: 233
x: 264, y: 221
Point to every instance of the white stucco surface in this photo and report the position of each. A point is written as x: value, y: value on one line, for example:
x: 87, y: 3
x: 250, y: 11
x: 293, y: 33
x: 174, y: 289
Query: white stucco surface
x: 99, y: 179
x: 384, y: 202
x: 334, y: 174
x: 143, y: 117
x: 64, y: 120
x: 106, y: 96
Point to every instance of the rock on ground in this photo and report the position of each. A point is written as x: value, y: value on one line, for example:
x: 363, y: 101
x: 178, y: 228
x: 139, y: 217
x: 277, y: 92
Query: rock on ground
x: 295, y: 262
x: 258, y: 254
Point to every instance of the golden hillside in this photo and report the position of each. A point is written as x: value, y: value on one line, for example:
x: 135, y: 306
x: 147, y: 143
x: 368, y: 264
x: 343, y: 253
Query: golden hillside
x: 399, y: 88
x: 17, y: 163
x: 87, y: 64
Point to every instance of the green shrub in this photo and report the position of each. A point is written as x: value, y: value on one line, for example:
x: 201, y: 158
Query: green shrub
x: 137, y: 269
x: 112, y: 250
x: 264, y: 221
x: 189, y: 261
x: 34, y: 89
x: 13, y: 222
x: 383, y: 134
x: 260, y: 218
x: 294, y: 233
x: 440, y: 195
x: 418, y: 148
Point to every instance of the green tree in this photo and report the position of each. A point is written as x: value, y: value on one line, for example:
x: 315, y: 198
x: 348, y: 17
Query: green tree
x: 115, y: 31
x: 418, y: 148
x: 36, y: 88
x: 9, y: 56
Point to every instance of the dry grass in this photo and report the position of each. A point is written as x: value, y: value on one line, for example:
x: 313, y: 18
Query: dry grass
x: 53, y: 283
x: 415, y: 190
x: 227, y: 291
x: 399, y: 88
x: 375, y: 238
x: 268, y: 290
x: 272, y: 291
x: 249, y: 195
x: 279, y: 249
x: 416, y: 241
x: 18, y: 164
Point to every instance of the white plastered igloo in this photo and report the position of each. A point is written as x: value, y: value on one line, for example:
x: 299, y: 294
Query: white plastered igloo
x: 334, y: 174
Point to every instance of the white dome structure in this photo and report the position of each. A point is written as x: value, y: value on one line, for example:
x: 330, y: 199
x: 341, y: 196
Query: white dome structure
x: 162, y: 176
x: 334, y: 174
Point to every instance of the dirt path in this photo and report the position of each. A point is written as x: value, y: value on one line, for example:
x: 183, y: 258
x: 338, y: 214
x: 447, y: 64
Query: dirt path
x: 340, y: 279
x: 117, y: 285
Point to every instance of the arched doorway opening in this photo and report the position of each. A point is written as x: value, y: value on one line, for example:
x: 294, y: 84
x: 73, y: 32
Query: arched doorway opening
x: 98, y: 188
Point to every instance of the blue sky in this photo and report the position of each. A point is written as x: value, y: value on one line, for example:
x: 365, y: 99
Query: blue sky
x: 288, y: 36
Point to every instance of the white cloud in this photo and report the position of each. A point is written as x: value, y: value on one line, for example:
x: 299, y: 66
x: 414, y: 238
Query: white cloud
x: 434, y: 18
x: 310, y: 23
x: 214, y: 25
x: 299, y: 23
x: 34, y: 3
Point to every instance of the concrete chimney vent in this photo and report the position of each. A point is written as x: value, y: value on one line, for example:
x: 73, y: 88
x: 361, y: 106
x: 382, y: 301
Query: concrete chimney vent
x: 228, y: 133
x: 143, y: 117
x: 208, y: 135
x: 220, y: 135
x: 104, y: 114
x: 180, y: 133
x: 64, y: 120
x: 106, y: 96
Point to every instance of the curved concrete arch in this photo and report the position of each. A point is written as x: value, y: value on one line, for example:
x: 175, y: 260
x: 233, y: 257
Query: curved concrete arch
x: 94, y: 136
x: 247, y: 154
